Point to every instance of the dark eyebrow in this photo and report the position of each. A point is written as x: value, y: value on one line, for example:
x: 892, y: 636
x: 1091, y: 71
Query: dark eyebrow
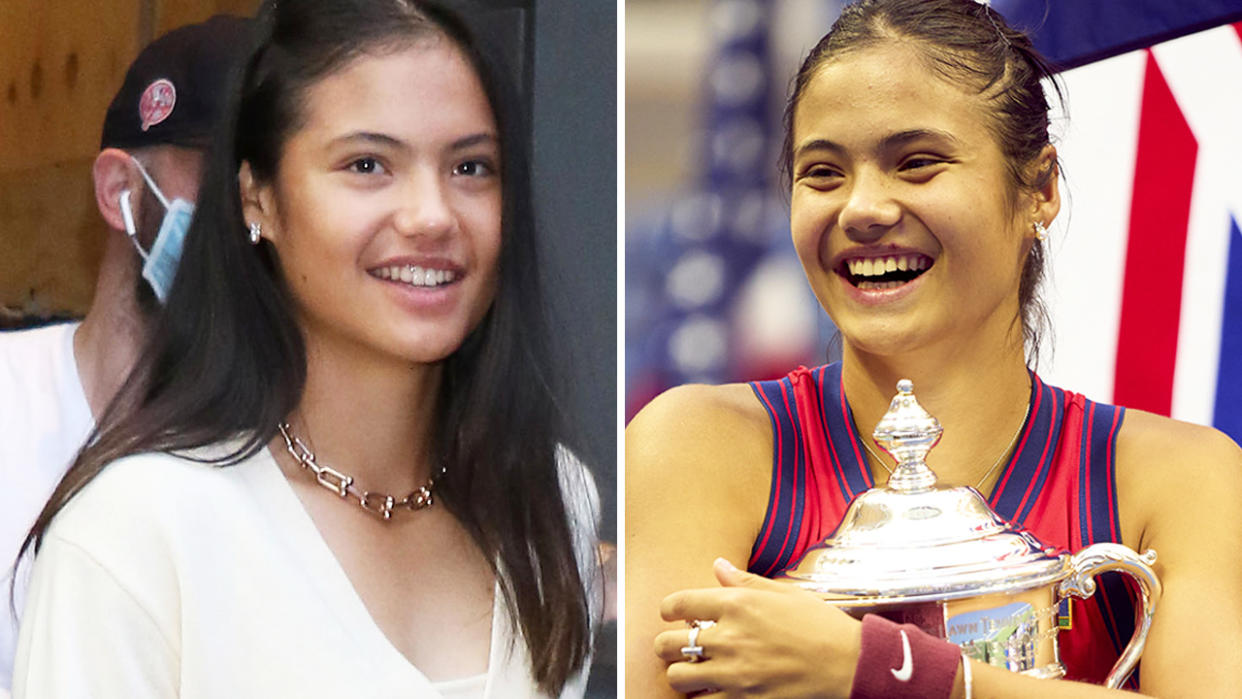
x: 889, y: 142
x: 378, y: 139
x: 817, y: 144
x: 474, y: 140
x: 902, y: 138
x: 385, y: 140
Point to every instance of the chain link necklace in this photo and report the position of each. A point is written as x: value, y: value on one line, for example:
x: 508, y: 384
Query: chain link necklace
x: 1012, y: 440
x: 379, y: 504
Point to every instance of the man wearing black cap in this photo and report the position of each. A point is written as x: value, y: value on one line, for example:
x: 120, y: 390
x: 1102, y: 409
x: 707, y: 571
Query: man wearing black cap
x: 55, y: 381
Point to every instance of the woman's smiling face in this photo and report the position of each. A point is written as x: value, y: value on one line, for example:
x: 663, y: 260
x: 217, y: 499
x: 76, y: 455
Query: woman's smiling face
x: 903, y: 210
x: 386, y: 208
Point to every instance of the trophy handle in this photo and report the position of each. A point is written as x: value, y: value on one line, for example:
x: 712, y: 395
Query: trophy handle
x: 1099, y: 558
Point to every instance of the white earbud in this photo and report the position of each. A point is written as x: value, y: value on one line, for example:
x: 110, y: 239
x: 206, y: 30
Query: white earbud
x: 127, y: 214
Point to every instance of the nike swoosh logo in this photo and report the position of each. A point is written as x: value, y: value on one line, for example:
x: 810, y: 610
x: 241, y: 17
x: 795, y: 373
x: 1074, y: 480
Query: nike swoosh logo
x: 907, y: 663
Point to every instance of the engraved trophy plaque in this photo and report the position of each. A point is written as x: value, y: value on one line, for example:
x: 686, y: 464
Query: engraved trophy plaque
x: 940, y: 558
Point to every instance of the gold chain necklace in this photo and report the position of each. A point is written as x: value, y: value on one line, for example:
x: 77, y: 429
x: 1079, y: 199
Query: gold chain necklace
x: 1012, y: 440
x: 378, y: 504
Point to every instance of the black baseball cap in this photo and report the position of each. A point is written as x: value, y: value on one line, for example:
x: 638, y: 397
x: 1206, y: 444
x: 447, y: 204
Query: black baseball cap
x: 178, y: 87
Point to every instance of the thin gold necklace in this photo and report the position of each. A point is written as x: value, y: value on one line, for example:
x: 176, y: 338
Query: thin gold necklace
x: 379, y: 504
x: 1012, y: 440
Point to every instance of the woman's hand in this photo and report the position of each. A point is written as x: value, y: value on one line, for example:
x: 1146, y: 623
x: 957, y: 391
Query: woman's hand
x: 770, y: 639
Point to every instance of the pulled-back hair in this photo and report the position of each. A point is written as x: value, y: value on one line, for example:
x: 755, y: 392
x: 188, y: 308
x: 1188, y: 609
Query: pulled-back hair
x: 226, y: 361
x: 969, y: 44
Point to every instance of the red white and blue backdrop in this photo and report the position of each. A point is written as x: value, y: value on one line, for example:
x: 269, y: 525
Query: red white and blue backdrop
x: 1145, y: 290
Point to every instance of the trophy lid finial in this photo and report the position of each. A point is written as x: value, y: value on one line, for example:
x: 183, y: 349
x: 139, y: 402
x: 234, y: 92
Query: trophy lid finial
x: 907, y: 432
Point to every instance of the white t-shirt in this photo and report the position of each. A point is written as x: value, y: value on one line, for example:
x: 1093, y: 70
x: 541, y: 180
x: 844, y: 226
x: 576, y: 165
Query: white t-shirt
x: 44, y: 420
x: 166, y: 577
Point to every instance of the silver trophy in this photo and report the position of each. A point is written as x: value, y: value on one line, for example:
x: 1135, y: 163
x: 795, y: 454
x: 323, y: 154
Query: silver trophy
x: 940, y: 558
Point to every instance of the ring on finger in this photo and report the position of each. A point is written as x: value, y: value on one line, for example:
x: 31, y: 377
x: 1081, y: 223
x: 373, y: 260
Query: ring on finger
x: 692, y: 651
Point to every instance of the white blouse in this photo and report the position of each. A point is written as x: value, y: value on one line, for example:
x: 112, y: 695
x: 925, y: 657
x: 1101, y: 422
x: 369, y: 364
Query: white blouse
x: 166, y: 577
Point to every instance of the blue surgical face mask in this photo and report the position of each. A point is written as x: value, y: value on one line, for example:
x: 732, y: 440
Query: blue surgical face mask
x: 160, y: 264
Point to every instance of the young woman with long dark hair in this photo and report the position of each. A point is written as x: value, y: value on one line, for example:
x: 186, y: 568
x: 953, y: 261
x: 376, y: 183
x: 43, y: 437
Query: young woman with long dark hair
x: 922, y: 183
x: 338, y: 472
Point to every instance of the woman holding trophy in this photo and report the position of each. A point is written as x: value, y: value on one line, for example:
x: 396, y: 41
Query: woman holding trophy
x: 922, y: 185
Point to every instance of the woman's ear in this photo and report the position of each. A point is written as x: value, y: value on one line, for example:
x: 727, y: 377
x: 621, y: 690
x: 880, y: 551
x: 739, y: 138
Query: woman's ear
x: 258, y: 204
x: 1046, y: 198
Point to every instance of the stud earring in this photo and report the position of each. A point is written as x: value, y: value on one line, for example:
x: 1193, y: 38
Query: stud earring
x: 256, y: 233
x: 1041, y: 231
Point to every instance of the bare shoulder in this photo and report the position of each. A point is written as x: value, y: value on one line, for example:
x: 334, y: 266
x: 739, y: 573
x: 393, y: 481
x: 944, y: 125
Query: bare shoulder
x: 1167, y: 470
x: 1155, y: 434
x: 698, y: 469
x: 698, y: 459
x: 695, y: 433
x: 1160, y: 448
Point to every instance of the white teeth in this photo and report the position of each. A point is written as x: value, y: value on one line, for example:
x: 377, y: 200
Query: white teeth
x: 874, y: 267
x: 416, y: 276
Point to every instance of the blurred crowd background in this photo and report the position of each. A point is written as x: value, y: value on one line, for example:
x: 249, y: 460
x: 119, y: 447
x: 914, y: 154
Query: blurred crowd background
x: 713, y: 290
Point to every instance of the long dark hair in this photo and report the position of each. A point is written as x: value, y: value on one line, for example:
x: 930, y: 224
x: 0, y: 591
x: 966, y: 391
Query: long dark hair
x: 226, y: 359
x: 971, y: 44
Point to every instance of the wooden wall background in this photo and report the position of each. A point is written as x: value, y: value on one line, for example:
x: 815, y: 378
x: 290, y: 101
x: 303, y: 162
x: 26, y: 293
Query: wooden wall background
x: 60, y: 64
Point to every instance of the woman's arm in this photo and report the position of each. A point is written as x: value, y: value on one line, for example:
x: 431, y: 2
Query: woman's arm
x: 1180, y: 493
x: 698, y: 471
x: 775, y: 640
x: 84, y: 635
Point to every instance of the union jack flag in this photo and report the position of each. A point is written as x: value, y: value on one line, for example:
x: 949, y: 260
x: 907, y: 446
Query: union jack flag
x: 1146, y: 284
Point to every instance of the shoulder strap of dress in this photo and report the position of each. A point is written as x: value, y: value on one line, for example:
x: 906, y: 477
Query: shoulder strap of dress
x: 817, y: 464
x: 1026, y: 472
x: 1099, y: 519
x: 1097, y: 472
x: 784, y: 512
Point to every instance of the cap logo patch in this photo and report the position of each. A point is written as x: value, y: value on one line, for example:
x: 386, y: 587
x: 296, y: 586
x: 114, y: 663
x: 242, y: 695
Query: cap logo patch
x: 157, y: 103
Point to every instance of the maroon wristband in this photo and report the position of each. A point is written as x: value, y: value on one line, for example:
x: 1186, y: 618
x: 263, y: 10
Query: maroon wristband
x: 903, y: 662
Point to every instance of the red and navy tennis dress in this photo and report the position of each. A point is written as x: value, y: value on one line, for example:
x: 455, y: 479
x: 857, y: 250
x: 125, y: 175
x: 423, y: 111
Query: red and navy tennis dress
x: 1058, y: 484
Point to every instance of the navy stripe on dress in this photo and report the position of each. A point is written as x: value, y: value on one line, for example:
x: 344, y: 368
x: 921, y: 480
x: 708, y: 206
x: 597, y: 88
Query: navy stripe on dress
x: 1031, y: 458
x: 842, y: 433
x: 1100, y: 521
x: 782, y: 520
x: 824, y: 382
